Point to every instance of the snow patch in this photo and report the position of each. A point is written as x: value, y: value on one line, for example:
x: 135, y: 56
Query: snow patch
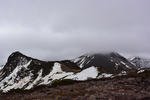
x: 104, y: 75
x: 56, y: 73
x: 36, y: 80
x: 131, y: 58
x: 125, y: 65
x: 140, y: 71
x: 91, y: 72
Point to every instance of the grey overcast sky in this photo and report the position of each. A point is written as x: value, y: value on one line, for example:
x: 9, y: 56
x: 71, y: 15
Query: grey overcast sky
x: 65, y: 29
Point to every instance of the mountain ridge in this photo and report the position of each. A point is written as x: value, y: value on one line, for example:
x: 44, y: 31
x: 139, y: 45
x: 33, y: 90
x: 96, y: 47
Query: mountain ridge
x: 21, y: 71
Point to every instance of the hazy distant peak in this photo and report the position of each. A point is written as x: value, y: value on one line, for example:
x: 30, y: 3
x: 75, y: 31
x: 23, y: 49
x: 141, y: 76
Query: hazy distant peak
x: 140, y: 62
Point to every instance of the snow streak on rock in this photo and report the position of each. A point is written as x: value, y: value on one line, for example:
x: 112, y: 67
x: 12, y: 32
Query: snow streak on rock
x: 125, y: 65
x: 13, y: 80
x: 56, y: 73
x: 83, y: 60
x: 104, y: 75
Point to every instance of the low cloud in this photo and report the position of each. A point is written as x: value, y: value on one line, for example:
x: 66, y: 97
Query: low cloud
x: 56, y: 30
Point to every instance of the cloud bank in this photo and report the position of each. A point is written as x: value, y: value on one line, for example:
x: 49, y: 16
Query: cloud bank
x: 56, y: 30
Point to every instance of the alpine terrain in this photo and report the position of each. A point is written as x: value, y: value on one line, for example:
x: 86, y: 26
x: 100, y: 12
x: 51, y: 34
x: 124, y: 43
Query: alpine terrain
x: 24, y: 72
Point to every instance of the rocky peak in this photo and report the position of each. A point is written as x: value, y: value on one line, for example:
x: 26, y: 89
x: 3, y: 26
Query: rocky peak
x: 108, y: 62
x: 14, y: 60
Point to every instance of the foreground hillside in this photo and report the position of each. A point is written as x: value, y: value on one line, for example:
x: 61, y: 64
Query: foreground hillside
x: 104, y: 89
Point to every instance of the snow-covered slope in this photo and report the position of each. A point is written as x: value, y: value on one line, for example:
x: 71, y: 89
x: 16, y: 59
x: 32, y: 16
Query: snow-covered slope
x: 112, y: 63
x: 91, y: 72
x: 140, y: 62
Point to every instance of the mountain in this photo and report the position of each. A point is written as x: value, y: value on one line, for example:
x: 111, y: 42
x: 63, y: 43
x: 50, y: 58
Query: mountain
x: 140, y: 62
x: 111, y: 63
x: 25, y: 72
